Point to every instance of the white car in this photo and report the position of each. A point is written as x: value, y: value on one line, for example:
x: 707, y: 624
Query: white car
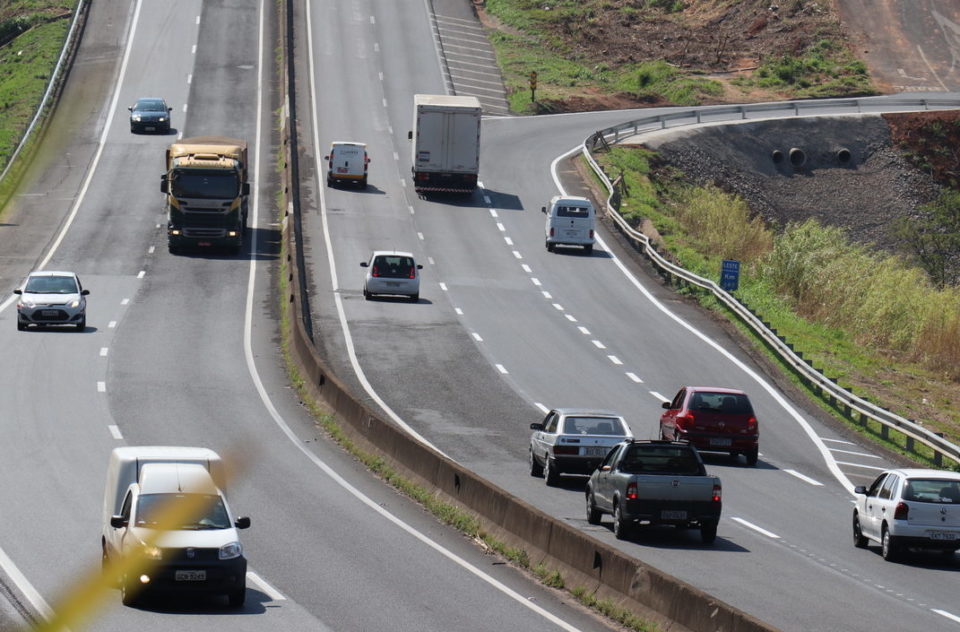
x: 347, y: 162
x: 909, y: 508
x: 51, y: 298
x: 391, y: 272
x: 574, y: 441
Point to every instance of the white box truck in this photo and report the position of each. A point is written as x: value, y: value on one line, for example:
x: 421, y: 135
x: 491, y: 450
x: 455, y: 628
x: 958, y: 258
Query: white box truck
x: 201, y: 553
x: 446, y: 143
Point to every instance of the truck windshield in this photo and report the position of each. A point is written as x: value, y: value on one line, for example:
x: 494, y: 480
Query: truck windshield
x: 221, y: 185
x: 212, y: 513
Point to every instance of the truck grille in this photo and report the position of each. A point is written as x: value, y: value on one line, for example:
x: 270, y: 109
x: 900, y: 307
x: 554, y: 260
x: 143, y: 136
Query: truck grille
x: 204, y: 233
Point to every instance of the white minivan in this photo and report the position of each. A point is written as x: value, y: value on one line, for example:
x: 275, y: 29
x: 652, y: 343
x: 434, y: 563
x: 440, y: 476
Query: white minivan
x: 570, y: 222
x: 347, y: 162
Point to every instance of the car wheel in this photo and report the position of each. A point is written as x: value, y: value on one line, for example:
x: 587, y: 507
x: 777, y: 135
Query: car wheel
x: 549, y: 246
x: 21, y: 326
x: 236, y: 597
x: 890, y: 548
x: 128, y: 592
x: 367, y: 295
x: 752, y: 456
x: 588, y: 250
x: 535, y: 468
x: 82, y: 325
x: 708, y: 532
x: 414, y: 298
x: 859, y: 540
x: 621, y: 529
x: 550, y: 473
x: 593, y: 514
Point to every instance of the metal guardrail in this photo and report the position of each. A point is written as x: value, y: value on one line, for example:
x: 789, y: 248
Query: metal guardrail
x: 837, y: 394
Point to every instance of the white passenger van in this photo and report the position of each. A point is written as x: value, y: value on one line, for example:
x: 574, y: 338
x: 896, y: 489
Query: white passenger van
x: 347, y: 162
x: 570, y: 222
x: 200, y: 553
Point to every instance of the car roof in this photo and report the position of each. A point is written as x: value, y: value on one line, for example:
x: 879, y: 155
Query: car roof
x: 715, y: 389
x: 347, y: 142
x: 149, y: 99
x: 43, y: 273
x: 570, y: 198
x: 395, y: 253
x: 585, y: 412
x: 917, y: 472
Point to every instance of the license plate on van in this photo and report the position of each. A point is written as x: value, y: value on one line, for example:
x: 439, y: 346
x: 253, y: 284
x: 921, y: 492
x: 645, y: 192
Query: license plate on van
x: 190, y: 576
x: 674, y: 514
x: 571, y: 233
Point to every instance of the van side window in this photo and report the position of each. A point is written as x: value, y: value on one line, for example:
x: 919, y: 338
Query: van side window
x: 125, y: 509
x: 573, y: 211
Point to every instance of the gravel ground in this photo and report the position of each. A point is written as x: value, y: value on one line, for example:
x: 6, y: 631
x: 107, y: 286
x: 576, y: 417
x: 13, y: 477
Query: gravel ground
x: 863, y: 195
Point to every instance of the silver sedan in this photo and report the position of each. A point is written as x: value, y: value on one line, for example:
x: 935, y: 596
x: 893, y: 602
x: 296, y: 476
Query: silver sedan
x: 574, y: 441
x: 51, y: 298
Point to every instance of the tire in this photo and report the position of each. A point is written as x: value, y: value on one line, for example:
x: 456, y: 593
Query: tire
x: 859, y: 540
x: 708, y: 532
x: 890, y: 548
x: 588, y: 250
x: 621, y: 529
x: 363, y: 182
x: 593, y: 514
x: 367, y: 295
x: 128, y: 592
x: 535, y: 468
x: 82, y: 325
x: 330, y: 182
x: 236, y: 597
x: 21, y: 326
x: 414, y: 298
x: 550, y: 473
x: 752, y: 457
x: 550, y: 247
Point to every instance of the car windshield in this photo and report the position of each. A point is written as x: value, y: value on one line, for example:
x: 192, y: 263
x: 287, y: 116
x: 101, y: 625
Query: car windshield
x: 212, y: 513
x: 593, y: 426
x: 220, y: 185
x: 393, y: 267
x: 573, y: 211
x: 51, y: 285
x: 729, y: 403
x: 150, y: 105
x: 663, y: 459
x: 932, y: 490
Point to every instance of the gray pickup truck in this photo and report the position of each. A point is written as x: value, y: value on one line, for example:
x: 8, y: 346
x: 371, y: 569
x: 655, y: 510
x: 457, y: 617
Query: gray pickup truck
x: 651, y: 483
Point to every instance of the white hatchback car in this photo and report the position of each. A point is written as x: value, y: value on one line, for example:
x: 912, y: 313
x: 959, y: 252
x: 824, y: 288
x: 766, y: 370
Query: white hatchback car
x: 51, y: 298
x: 391, y: 272
x: 909, y: 508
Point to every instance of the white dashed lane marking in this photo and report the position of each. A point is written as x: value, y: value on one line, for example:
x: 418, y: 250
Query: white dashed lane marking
x: 760, y: 530
x: 659, y: 396
x: 103, y: 352
x: 635, y: 378
x: 115, y: 432
x: 502, y: 369
x: 804, y: 477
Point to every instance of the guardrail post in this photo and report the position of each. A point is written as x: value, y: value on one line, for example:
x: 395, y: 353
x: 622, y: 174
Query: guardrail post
x: 885, y: 431
x: 863, y: 419
x: 698, y: 117
x: 909, y: 444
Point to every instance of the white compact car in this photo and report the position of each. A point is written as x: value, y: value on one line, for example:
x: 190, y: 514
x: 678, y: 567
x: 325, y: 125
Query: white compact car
x: 51, y: 298
x: 909, y: 508
x: 570, y: 222
x: 347, y: 162
x: 393, y: 273
x: 574, y: 441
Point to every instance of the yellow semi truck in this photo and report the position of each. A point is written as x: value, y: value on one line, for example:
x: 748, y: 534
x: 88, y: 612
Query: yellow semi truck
x: 207, y: 190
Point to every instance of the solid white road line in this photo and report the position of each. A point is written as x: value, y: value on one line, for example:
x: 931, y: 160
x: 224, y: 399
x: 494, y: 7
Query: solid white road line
x: 838, y: 441
x: 273, y: 593
x: 804, y: 477
x: 750, y: 525
x: 869, y: 456
x: 866, y: 467
x: 115, y: 432
x: 944, y: 613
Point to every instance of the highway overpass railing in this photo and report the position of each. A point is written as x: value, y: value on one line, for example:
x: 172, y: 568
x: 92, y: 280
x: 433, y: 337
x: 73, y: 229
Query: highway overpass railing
x: 853, y: 407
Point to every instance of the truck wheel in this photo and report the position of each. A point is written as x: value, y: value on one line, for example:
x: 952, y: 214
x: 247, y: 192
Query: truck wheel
x: 708, y: 532
x: 593, y: 514
x: 237, y: 597
x: 550, y: 473
x: 859, y: 540
x: 549, y: 246
x: 890, y: 546
x: 535, y: 468
x: 363, y: 182
x: 414, y: 298
x: 752, y: 456
x: 621, y: 528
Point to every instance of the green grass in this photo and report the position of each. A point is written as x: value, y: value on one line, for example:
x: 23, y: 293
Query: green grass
x: 826, y: 69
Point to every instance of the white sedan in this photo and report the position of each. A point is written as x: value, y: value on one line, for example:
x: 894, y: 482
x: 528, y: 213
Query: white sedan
x: 909, y: 508
x: 574, y: 441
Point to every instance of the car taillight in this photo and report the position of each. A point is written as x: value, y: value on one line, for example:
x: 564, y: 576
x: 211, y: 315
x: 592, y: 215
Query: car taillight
x: 591, y: 233
x: 716, y: 493
x: 632, y: 491
x: 375, y: 272
x: 413, y: 273
x: 551, y: 231
x: 900, y: 513
x: 566, y: 449
x: 684, y: 420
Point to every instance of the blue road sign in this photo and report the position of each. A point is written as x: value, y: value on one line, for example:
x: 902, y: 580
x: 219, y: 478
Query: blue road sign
x: 730, y: 275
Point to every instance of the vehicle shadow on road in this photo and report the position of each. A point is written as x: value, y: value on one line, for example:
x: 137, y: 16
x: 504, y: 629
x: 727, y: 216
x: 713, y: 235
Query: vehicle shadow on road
x: 667, y: 537
x: 202, y: 604
x: 928, y: 560
x: 712, y: 459
x: 577, y: 251
x: 268, y: 247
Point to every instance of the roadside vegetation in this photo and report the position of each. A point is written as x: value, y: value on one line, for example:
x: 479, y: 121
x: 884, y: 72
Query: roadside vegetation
x: 32, y: 34
x: 876, y: 322
x: 600, y: 54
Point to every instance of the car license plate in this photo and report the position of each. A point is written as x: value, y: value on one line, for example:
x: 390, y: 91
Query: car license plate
x: 149, y: 128
x: 673, y: 514
x: 941, y: 535
x: 203, y: 243
x: 572, y: 233
x: 48, y: 312
x: 723, y: 443
x: 341, y: 169
x: 393, y: 284
x: 596, y: 451
x: 190, y: 576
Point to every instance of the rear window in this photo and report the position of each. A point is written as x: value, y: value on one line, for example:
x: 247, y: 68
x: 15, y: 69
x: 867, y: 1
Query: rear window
x: 653, y: 459
x: 729, y: 403
x: 573, y: 211
x: 593, y: 426
x: 394, y: 267
x: 932, y: 490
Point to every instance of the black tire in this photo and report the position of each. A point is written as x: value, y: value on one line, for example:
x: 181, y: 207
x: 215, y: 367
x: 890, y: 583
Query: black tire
x: 621, y: 529
x: 363, y: 182
x: 535, y: 468
x: 550, y: 247
x: 588, y: 250
x: 129, y: 593
x: 174, y: 250
x: 82, y: 325
x: 21, y: 326
x: 236, y: 597
x: 594, y: 515
x: 550, y: 473
x: 859, y: 540
x: 367, y: 295
x: 330, y: 182
x: 753, y: 456
x: 414, y: 298
x: 889, y: 546
x: 708, y: 532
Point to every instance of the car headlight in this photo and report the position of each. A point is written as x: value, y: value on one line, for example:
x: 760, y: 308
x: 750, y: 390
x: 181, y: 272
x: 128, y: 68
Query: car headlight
x: 75, y: 303
x: 135, y: 117
x: 231, y: 550
x: 161, y: 119
x: 151, y: 552
x: 26, y: 302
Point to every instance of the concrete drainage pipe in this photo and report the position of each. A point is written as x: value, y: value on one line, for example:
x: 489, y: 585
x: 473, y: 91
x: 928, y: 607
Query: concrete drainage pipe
x: 797, y: 157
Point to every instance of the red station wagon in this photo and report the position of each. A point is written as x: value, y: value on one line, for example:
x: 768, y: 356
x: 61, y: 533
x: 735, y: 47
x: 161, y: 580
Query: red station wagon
x: 712, y: 419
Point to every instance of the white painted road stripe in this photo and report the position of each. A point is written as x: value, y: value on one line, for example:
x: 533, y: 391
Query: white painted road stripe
x: 635, y: 378
x: 272, y: 592
x: 750, y: 525
x: 615, y: 359
x: 101, y: 387
x: 103, y: 351
x: 502, y: 369
x: 570, y: 318
x: 659, y: 396
x: 141, y: 274
x: 944, y: 613
x: 866, y: 467
x: 443, y: 286
x: 598, y: 344
x: 477, y: 337
x: 125, y: 301
x: 584, y: 330
x: 543, y: 408
x: 869, y: 456
x: 558, y: 306
x: 115, y: 432
x: 458, y: 311
x: 112, y: 324
x: 804, y: 477
x: 838, y: 441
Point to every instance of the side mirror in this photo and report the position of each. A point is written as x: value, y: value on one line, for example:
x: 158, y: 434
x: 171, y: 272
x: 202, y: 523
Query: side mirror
x: 605, y: 468
x: 326, y: 157
x: 85, y: 293
x: 130, y: 108
x: 536, y: 426
x: 665, y: 405
x: 118, y: 522
x: 242, y: 523
x: 18, y: 291
x: 419, y: 266
x: 364, y: 264
x: 245, y: 189
x: 409, y: 135
x: 543, y: 209
x: 860, y: 489
x: 169, y: 109
x: 164, y: 187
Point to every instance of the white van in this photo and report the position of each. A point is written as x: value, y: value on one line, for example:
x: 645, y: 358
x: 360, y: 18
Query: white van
x: 570, y: 222
x: 347, y: 162
x: 202, y: 554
